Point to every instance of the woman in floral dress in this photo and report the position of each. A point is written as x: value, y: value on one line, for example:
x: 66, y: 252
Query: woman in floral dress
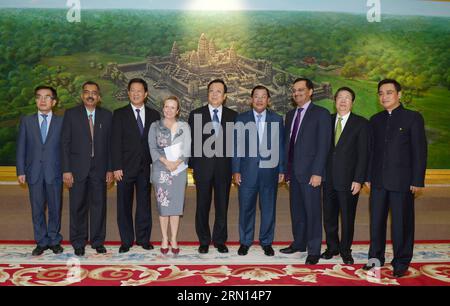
x: 169, y: 189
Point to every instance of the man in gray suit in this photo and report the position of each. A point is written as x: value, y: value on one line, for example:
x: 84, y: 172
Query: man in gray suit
x: 39, y: 165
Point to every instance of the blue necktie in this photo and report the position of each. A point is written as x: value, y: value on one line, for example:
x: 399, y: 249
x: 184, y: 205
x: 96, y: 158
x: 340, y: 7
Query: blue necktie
x: 44, y: 128
x: 216, y: 122
x: 292, y: 143
x: 139, y: 122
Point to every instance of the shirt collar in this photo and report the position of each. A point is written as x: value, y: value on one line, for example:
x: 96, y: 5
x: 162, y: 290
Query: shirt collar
x: 305, y: 106
x: 395, y: 110
x: 90, y: 113
x: 49, y: 115
x: 211, y: 108
x: 344, y: 118
x: 142, y: 108
x: 263, y: 113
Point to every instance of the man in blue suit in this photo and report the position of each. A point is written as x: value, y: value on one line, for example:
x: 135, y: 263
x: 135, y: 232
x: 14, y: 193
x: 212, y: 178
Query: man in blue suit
x: 307, y: 141
x: 39, y: 165
x: 258, y: 168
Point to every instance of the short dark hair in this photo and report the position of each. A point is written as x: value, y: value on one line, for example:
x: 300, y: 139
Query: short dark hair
x: 345, y: 89
x: 91, y: 83
x: 218, y: 81
x: 53, y: 90
x: 260, y: 87
x: 309, y: 83
x: 396, y: 84
x: 138, y: 80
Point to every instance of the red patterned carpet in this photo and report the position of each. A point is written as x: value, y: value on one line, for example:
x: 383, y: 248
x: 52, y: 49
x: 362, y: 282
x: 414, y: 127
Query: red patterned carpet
x: 430, y: 267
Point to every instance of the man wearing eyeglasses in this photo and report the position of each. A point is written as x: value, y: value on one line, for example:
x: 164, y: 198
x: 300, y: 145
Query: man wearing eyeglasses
x: 86, y: 163
x: 307, y: 141
x: 39, y: 166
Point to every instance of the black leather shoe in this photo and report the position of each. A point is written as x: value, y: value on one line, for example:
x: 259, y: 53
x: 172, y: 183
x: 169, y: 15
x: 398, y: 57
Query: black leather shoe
x: 368, y: 267
x: 79, y: 251
x: 268, y: 250
x: 347, y: 259
x: 290, y: 250
x: 57, y: 249
x: 243, y: 250
x: 145, y: 246
x: 328, y: 254
x: 100, y: 249
x: 203, y: 249
x: 124, y: 249
x: 400, y: 272
x: 148, y: 246
x: 38, y: 250
x: 312, y: 260
x: 222, y: 248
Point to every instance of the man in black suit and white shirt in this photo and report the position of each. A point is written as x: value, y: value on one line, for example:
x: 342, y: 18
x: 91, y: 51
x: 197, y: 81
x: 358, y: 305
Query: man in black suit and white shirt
x: 346, y: 172
x: 131, y: 164
x: 212, y: 172
x: 86, y: 163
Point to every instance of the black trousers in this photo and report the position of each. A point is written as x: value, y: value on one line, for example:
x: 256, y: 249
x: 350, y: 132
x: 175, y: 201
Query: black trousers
x: 337, y: 203
x: 221, y: 186
x: 88, y: 210
x: 142, y: 227
x: 401, y: 205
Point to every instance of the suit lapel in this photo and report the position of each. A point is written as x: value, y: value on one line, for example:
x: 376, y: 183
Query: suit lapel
x: 51, y: 128
x: 37, y: 128
x: 346, y: 131
x: 97, y: 123
x: 84, y: 121
x: 147, y: 120
x: 305, y: 119
x: 133, y: 121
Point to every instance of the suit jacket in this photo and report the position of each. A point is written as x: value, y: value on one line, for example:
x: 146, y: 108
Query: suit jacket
x: 35, y: 157
x: 397, y: 150
x: 249, y: 167
x: 204, y: 166
x: 312, y: 144
x: 76, y: 142
x: 347, y: 161
x: 130, y: 150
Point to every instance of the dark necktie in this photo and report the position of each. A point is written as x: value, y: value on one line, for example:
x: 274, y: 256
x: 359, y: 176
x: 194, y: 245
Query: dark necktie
x: 216, y: 122
x: 139, y: 122
x: 292, y: 143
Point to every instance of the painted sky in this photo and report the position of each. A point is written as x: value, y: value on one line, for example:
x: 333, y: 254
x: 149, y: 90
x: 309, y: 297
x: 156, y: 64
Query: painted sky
x: 396, y: 7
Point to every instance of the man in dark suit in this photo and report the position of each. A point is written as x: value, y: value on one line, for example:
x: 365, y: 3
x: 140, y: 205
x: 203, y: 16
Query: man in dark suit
x: 212, y: 168
x: 346, y: 172
x: 259, y: 169
x: 39, y: 165
x: 131, y: 163
x: 307, y: 141
x: 397, y: 164
x: 86, y: 164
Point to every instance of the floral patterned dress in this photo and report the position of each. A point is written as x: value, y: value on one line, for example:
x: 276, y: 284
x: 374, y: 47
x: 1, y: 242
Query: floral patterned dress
x: 169, y: 189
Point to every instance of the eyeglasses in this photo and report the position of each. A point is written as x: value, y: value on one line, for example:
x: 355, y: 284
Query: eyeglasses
x: 300, y: 90
x: 45, y: 98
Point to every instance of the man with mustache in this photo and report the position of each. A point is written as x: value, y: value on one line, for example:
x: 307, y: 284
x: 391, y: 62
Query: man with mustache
x: 307, y: 141
x: 86, y: 163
